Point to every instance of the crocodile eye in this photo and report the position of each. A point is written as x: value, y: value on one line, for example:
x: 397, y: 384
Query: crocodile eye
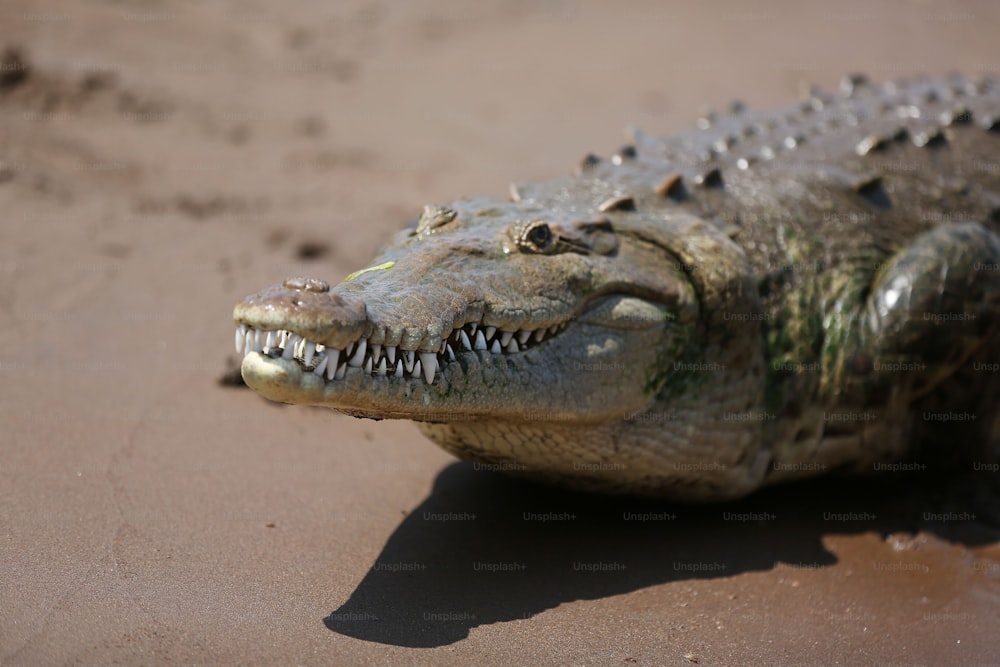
x: 538, y: 237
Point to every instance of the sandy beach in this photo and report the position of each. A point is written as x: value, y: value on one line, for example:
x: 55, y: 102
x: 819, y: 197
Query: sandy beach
x: 159, y: 161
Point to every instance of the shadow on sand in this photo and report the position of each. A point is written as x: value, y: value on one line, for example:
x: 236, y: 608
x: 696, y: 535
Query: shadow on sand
x: 484, y: 548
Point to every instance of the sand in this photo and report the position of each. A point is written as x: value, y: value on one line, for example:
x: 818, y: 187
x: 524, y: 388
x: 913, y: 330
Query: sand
x: 158, y: 161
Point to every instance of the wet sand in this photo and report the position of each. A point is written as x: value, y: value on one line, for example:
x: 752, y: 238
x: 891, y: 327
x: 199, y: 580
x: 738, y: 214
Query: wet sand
x: 159, y: 161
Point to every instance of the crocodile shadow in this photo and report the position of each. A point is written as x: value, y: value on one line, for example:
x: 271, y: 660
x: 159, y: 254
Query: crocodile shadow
x: 484, y: 548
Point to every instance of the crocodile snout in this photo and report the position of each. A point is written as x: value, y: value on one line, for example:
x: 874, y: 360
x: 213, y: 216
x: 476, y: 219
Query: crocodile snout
x: 308, y: 307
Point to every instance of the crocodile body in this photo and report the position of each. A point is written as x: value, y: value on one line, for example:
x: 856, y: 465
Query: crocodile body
x: 768, y: 296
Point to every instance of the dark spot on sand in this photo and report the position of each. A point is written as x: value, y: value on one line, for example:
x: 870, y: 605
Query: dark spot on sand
x: 14, y: 68
x: 312, y: 250
x: 232, y: 377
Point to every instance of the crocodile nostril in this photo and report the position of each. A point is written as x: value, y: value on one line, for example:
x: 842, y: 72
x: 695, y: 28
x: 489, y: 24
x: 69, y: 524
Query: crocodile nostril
x: 307, y: 284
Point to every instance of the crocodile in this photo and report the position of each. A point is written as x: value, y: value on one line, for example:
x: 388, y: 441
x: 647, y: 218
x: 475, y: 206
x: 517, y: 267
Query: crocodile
x: 769, y: 296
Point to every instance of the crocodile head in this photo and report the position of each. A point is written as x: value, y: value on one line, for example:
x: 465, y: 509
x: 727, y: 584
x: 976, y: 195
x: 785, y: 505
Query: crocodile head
x: 483, y: 311
x: 554, y: 339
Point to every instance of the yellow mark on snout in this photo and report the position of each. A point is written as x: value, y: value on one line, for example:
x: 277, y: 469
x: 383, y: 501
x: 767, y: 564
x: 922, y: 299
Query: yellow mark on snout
x: 381, y: 267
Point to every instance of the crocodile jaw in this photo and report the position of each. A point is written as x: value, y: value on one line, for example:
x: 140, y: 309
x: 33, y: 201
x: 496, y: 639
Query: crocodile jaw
x: 491, y: 374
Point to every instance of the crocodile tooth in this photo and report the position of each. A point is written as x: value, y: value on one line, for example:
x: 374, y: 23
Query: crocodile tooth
x: 416, y: 368
x: 449, y: 352
x: 307, y: 355
x: 472, y: 328
x: 480, y: 343
x: 270, y: 339
x: 554, y: 329
x: 334, y: 356
x: 341, y: 371
x: 252, y: 335
x: 258, y: 340
x: 359, y: 354
x: 376, y: 352
x: 539, y: 335
x: 489, y: 332
x: 290, y: 346
x: 380, y: 371
x: 299, y: 349
x: 523, y: 335
x: 368, y: 365
x: 399, y: 369
x: 321, y: 366
x: 241, y: 338
x: 444, y: 344
x: 505, y: 337
x: 429, y: 362
x: 495, y: 348
x: 463, y: 338
x: 283, y: 338
x: 349, y: 350
x: 390, y: 353
x: 512, y: 346
x: 408, y: 360
x: 247, y: 345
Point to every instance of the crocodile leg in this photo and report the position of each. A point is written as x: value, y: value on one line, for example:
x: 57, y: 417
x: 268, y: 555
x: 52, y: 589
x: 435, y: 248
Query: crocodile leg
x: 933, y: 337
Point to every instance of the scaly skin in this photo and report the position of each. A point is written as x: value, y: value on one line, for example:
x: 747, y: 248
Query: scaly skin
x: 769, y: 296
